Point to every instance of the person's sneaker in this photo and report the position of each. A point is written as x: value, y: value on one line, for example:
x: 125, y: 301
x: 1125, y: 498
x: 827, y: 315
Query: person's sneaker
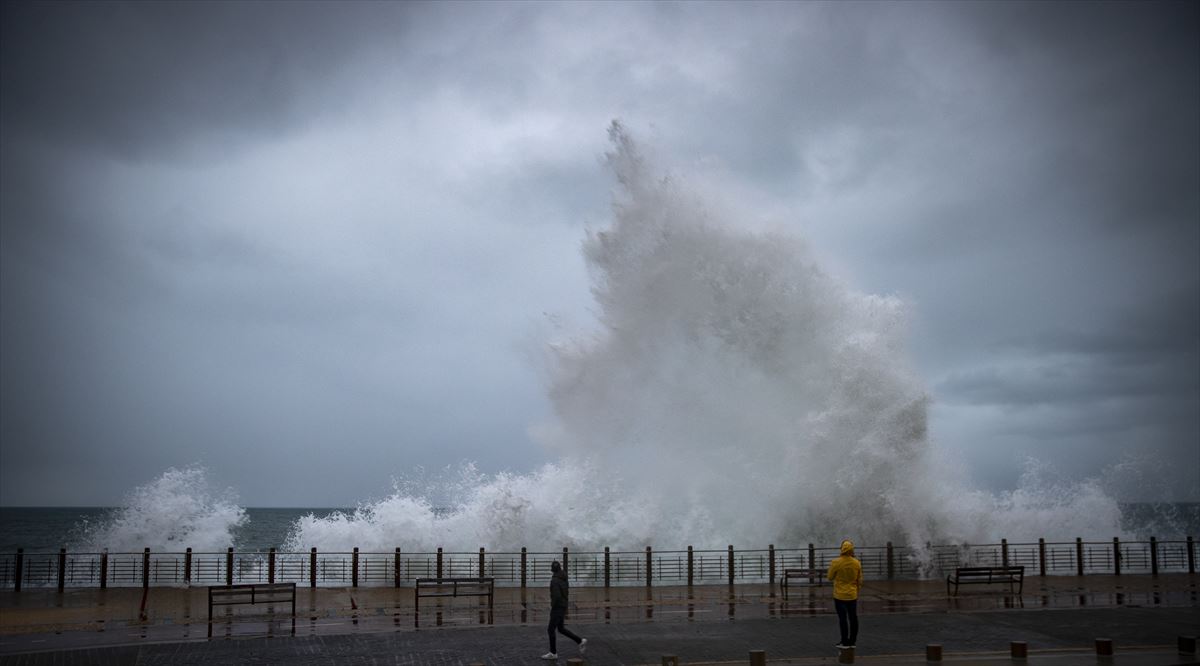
x: 550, y: 655
x: 582, y: 646
x: 841, y: 646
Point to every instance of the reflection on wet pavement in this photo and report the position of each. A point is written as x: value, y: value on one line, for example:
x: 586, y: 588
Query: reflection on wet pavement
x: 91, y: 617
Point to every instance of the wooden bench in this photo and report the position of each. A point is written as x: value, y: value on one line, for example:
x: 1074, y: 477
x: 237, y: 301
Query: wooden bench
x: 811, y: 575
x: 258, y: 593
x: 455, y: 587
x: 987, y: 575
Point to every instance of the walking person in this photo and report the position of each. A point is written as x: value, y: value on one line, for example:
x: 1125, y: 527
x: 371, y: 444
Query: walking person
x: 560, y: 589
x: 846, y: 573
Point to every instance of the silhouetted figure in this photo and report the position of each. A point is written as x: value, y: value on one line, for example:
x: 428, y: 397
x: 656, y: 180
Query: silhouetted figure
x: 560, y: 590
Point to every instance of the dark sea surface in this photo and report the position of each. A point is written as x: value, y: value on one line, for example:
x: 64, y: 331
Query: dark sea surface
x: 42, y: 529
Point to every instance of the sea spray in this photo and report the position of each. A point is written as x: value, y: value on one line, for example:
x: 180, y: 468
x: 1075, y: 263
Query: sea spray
x: 1043, y: 505
x: 176, y: 511
x: 555, y: 505
x: 734, y: 393
x: 734, y: 383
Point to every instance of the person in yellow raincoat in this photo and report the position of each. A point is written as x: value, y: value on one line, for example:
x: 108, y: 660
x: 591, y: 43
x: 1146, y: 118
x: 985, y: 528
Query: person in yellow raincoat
x: 846, y: 573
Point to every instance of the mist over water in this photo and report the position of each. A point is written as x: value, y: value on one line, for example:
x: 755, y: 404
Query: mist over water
x: 733, y: 392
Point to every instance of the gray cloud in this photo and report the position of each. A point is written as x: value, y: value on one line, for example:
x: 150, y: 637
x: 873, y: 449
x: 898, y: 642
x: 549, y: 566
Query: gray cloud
x: 250, y: 234
x: 147, y: 80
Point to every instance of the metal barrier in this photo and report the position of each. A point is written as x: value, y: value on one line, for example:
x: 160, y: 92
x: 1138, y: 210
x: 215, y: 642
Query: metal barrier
x: 586, y: 569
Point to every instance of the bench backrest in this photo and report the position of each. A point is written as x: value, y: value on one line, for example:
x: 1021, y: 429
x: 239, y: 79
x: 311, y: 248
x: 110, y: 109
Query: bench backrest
x: 988, y: 572
x: 225, y: 595
x: 456, y: 586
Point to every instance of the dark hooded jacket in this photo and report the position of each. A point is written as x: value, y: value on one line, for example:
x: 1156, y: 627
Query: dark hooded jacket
x: 560, y: 589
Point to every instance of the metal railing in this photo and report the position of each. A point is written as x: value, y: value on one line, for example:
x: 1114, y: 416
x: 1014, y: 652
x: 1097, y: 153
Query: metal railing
x: 589, y: 569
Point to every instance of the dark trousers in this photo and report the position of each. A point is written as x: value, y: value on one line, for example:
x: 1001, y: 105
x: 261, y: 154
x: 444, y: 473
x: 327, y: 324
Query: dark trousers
x: 847, y: 620
x: 557, y: 617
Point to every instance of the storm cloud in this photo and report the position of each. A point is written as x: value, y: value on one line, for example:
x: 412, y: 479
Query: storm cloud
x: 330, y: 239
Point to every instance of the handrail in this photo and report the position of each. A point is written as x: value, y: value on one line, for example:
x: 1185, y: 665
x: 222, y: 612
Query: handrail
x: 586, y: 568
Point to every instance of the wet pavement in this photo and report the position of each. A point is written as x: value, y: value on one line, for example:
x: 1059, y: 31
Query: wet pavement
x: 1059, y: 618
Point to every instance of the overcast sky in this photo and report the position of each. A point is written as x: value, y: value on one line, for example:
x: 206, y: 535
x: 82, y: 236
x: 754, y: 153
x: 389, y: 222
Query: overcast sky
x: 311, y: 246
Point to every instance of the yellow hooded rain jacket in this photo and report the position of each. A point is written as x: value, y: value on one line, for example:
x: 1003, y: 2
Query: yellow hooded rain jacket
x: 846, y: 573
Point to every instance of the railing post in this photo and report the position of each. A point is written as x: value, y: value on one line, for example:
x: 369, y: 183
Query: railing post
x: 731, y: 564
x: 1042, y: 556
x: 18, y: 565
x: 271, y: 565
x: 353, y: 568
x: 1191, y: 555
x: 524, y: 553
x: 228, y: 565
x: 62, y: 568
x: 565, y: 561
x: 397, y: 565
x: 1004, y: 552
x: 1153, y: 556
x: 1116, y: 556
x: 771, y: 562
x: 649, y: 573
x: 187, y: 564
x: 481, y: 563
x: 146, y: 567
x: 1079, y: 556
x: 812, y: 559
x: 891, y: 561
x: 104, y: 568
x: 312, y: 567
x: 439, y: 562
x: 607, y: 569
x: 1186, y: 644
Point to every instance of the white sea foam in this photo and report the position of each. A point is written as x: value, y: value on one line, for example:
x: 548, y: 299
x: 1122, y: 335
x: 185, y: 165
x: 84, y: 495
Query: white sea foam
x: 178, y: 510
x: 734, y: 393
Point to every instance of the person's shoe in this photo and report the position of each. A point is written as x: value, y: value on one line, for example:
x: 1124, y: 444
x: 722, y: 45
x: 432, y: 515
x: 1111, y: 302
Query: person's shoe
x: 582, y: 646
x: 549, y: 656
x: 841, y: 646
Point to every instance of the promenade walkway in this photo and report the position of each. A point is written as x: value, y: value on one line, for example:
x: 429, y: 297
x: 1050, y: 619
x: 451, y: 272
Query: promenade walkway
x: 1059, y: 618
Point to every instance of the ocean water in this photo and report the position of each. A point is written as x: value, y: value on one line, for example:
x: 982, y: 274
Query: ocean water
x: 43, y: 529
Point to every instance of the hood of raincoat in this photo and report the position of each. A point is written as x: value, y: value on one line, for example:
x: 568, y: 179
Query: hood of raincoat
x: 847, y: 547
